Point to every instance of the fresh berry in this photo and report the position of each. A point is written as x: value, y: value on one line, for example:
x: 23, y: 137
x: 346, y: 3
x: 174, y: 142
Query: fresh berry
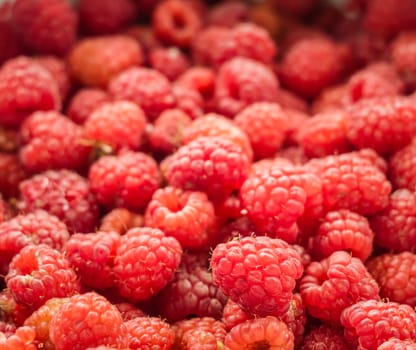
x: 397, y: 344
x: 129, y: 311
x: 233, y: 315
x: 201, y: 79
x: 403, y: 55
x: 402, y: 168
x: 12, y: 174
x: 325, y: 337
x: 22, y: 339
x: 120, y: 220
x: 188, y: 100
x: 171, y: 62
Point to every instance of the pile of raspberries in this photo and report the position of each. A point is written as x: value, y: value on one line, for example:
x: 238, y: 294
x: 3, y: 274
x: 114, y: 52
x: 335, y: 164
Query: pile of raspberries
x: 207, y: 175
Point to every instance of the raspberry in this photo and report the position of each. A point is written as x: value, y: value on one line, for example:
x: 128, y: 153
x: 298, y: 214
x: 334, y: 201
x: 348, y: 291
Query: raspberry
x: 258, y: 273
x: 266, y: 125
x: 21, y: 339
x: 331, y: 285
x: 188, y: 100
x: 87, y: 320
x: 228, y: 14
x: 119, y: 125
x: 30, y: 229
x: 325, y: 337
x: 351, y: 182
x: 25, y: 87
x: 84, y: 102
x: 300, y: 71
x: 397, y: 344
x: 175, y: 22
x: 95, y: 61
x: 64, y: 194
x: 241, y: 82
x: 127, y: 180
x: 38, y: 273
x: 46, y: 26
x: 330, y: 98
x: 402, y: 167
x: 233, y: 315
x: 403, y: 55
x: 343, y: 230
x: 120, y: 220
x: 201, y: 79
x: 52, y: 141
x: 11, y: 311
x: 92, y: 257
x: 11, y: 174
x: 370, y: 323
x: 395, y: 226
x: 145, y: 262
x: 295, y: 120
x: 213, y: 165
x: 268, y: 163
x: 129, y: 311
x: 146, y: 87
x: 290, y: 101
x: 295, y: 318
x: 106, y: 17
x: 171, y: 62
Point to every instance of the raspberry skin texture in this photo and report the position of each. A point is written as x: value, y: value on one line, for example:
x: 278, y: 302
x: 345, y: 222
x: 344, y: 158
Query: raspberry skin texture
x: 45, y: 26
x: 402, y: 168
x: 21, y: 339
x: 241, y: 82
x: 325, y: 337
x: 120, y: 220
x: 95, y: 61
x: 258, y: 273
x: 213, y: 165
x: 37, y: 89
x: 146, y: 87
x: 87, y: 320
x: 367, y: 324
x: 38, y: 273
x: 127, y: 180
x: 396, y: 276
x: 397, y: 344
x: 145, y: 262
x: 265, y: 125
x: 264, y: 332
x: 170, y: 61
x: 12, y: 174
x: 52, y: 141
x: 62, y: 193
x: 343, y: 230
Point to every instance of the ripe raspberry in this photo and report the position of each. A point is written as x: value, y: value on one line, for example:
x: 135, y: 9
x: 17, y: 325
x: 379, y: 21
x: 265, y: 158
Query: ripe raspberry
x: 146, y: 333
x: 331, y: 285
x: 64, y: 194
x: 395, y: 226
x: 87, y: 320
x: 266, y: 125
x: 171, y: 62
x: 11, y: 174
x: 295, y: 120
x: 343, y: 230
x: 92, y: 257
x: 52, y: 141
x: 146, y: 87
x: 213, y: 165
x: 38, y: 273
x: 233, y: 315
x: 175, y: 22
x: 300, y: 71
x: 34, y: 228
x: 23, y: 339
x: 370, y: 323
x: 269, y: 163
x: 258, y: 273
x: 145, y: 262
x: 120, y: 220
x: 228, y: 14
x: 402, y: 168
x: 106, y: 17
x: 127, y: 180
x: 201, y: 79
x: 25, y: 87
x: 325, y: 337
x: 46, y: 26
x: 241, y: 82
x: 397, y: 344
x: 84, y: 102
x: 188, y: 100
x: 95, y: 61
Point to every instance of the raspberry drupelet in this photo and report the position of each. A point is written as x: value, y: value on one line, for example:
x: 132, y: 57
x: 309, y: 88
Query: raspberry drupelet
x: 325, y: 337
x: 22, y: 339
x: 397, y: 344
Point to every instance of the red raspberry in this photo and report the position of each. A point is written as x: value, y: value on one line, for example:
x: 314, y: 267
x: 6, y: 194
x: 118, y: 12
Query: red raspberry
x: 268, y: 163
x: 201, y: 79
x: 106, y: 16
x: 403, y: 55
x: 351, y: 182
x: 266, y: 125
x: 62, y: 193
x: 147, y: 87
x: 95, y: 61
x: 46, y: 26
x: 149, y: 333
x: 213, y: 165
x: 38, y: 273
x: 188, y: 100
x: 267, y: 332
x: 23, y: 339
x: 301, y: 72
x: 25, y: 87
x: 145, y: 262
x: 87, y: 320
x: 258, y: 273
x: 233, y: 315
x: 395, y: 226
x: 331, y: 285
x: 241, y: 82
x: 402, y: 168
x: 370, y: 323
x: 119, y: 124
x: 295, y: 120
x: 175, y: 22
x: 325, y: 337
x: 120, y: 220
x: 11, y: 174
x: 295, y: 318
x: 396, y: 276
x: 343, y: 230
x: 52, y: 141
x: 92, y: 257
x: 191, y: 292
x: 397, y: 344
x: 171, y: 62
x: 30, y: 229
x: 84, y: 102
x: 373, y: 157
x: 228, y: 14
x: 127, y: 180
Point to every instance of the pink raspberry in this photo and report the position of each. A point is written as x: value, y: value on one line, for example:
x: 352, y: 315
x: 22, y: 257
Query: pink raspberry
x: 397, y: 344
x: 23, y: 338
x: 201, y: 79
x: 325, y: 337
x: 171, y: 62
